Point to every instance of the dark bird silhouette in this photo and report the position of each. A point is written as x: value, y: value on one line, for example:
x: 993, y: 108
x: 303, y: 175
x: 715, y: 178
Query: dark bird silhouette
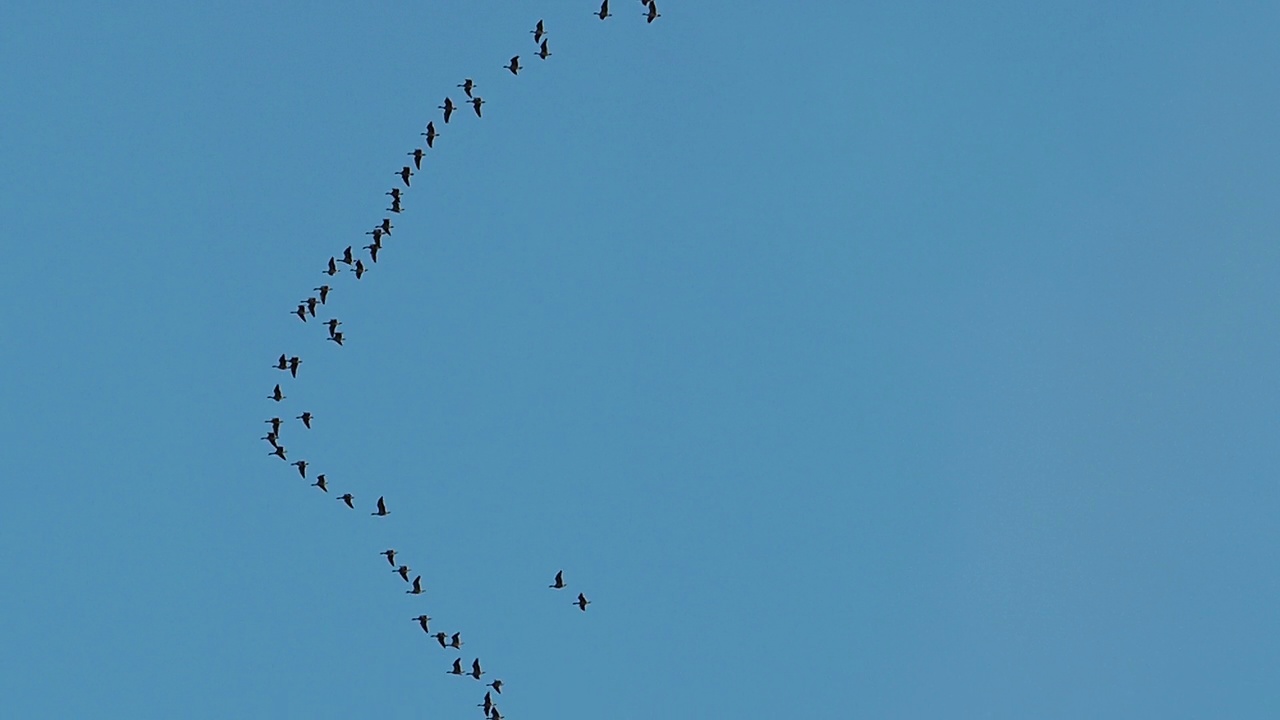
x: 405, y: 173
x: 417, y: 586
x: 294, y: 362
x: 604, y: 10
x: 467, y: 86
x: 496, y: 685
x: 475, y: 669
x: 396, y: 207
x: 404, y: 572
x: 278, y: 394
x: 373, y: 251
x: 324, y: 293
x: 457, y: 668
x: 301, y: 312
x: 333, y: 267
x: 386, y: 226
x: 346, y: 256
x: 391, y: 556
x: 337, y: 337
x: 487, y: 704
x: 431, y: 133
x: 311, y: 306
x: 448, y: 107
x: 279, y: 452
x: 272, y: 438
x: 582, y: 602
x: 494, y: 714
x: 514, y: 65
x: 275, y: 425
x: 359, y: 269
x: 282, y: 363
x: 332, y: 324
x: 440, y: 639
x: 543, y: 52
x: 653, y: 13
x: 321, y: 483
x: 377, y: 234
x: 302, y: 468
x: 538, y: 32
x: 395, y: 192
x: 476, y: 102
x: 559, y: 583
x: 455, y: 641
x: 347, y: 499
x: 305, y: 417
x: 417, y: 159
x: 382, y: 508
x: 422, y: 622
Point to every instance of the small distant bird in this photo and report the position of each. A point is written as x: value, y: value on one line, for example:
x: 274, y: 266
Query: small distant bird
x: 417, y: 159
x: 457, y: 668
x: 382, y: 508
x: 653, y: 13
x: 422, y: 622
x: 373, y: 251
x: 440, y: 639
x: 543, y: 52
x: 417, y: 586
x: 487, y: 704
x: 395, y: 192
x: 467, y: 86
x: 403, y: 570
x: 496, y: 685
x: 294, y: 362
x: 377, y: 234
x: 359, y: 269
x: 337, y: 337
x: 282, y: 363
x: 302, y: 468
x: 405, y: 173
x: 604, y: 10
x: 278, y: 394
x: 324, y: 293
x: 347, y: 499
x: 279, y: 452
x: 582, y: 602
x: 475, y: 669
x: 311, y: 306
x: 272, y: 438
x: 275, y: 425
x: 494, y: 714
x: 476, y: 102
x: 321, y: 483
x: 333, y: 267
x: 391, y: 556
x: 386, y: 226
x: 455, y: 641
x: 431, y: 133
x: 514, y: 65
x: 346, y: 256
x: 301, y: 312
x: 448, y: 107
x: 305, y: 417
x: 559, y: 583
x: 332, y: 324
x: 396, y: 207
x: 538, y: 32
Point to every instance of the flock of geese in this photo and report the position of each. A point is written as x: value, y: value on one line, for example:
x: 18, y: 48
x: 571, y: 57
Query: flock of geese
x: 307, y: 309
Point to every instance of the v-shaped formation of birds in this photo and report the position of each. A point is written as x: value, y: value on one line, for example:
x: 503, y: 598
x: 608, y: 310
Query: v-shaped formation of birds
x: 307, y: 309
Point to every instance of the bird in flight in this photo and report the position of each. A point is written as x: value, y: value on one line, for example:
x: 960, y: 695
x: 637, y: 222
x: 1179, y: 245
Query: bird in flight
x: 431, y: 133
x: 496, y: 685
x: 559, y: 583
x: 396, y: 207
x: 448, y: 107
x: 455, y: 641
x: 417, y: 160
x: 336, y: 337
x: 604, y: 10
x: 278, y: 452
x: 386, y: 226
x: 382, y: 508
x: 538, y: 32
x: 301, y: 312
x: 653, y: 13
x: 457, y: 668
x: 324, y: 293
x: 373, y: 251
x: 277, y: 394
x: 282, y: 363
x: 487, y: 704
x: 346, y: 256
x: 302, y: 467
x: 332, y: 324
x: 359, y: 269
x: 275, y: 425
x: 476, y: 102
x: 305, y: 418
x: 514, y: 65
x: 417, y: 586
x: 582, y: 602
x: 475, y: 669
x: 422, y: 622
x: 467, y: 86
x: 320, y: 483
x: 543, y: 52
x: 391, y: 556
x: 347, y: 499
x: 311, y: 306
x: 404, y: 572
x: 333, y: 267
x: 440, y: 638
x: 272, y: 438
x: 294, y: 362
x: 405, y: 173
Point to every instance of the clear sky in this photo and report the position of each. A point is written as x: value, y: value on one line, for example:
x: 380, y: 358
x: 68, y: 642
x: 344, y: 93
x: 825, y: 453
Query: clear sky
x: 870, y: 359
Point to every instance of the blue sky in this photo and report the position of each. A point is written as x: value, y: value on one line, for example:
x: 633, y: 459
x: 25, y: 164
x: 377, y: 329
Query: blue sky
x: 865, y: 359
